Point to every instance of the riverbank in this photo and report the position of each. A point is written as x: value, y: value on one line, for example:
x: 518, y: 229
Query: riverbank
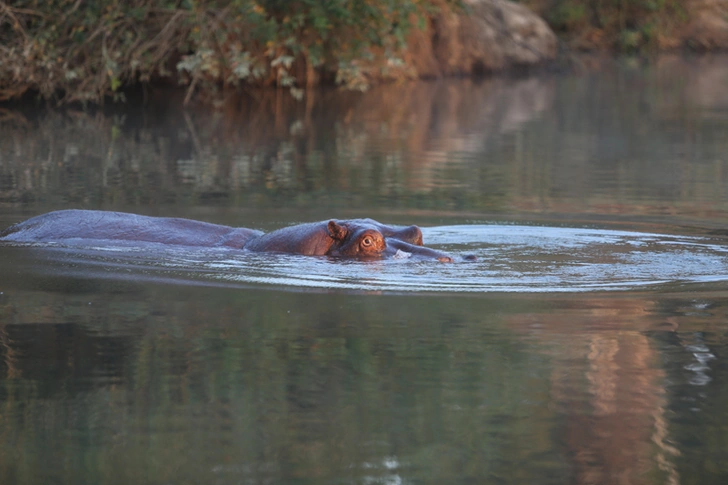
x: 67, y: 51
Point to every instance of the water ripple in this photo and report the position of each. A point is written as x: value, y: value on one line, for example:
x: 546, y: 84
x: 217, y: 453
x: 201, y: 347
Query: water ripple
x: 510, y: 258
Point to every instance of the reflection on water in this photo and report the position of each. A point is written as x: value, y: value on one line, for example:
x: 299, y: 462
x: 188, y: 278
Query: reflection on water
x: 586, y: 345
x: 122, y: 381
x: 624, y: 140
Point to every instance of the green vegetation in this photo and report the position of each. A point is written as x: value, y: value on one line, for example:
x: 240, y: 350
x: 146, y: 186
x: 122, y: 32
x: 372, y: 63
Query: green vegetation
x: 74, y: 50
x: 625, y: 25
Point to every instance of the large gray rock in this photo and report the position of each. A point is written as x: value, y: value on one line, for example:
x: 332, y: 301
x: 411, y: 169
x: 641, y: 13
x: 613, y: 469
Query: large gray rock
x: 708, y: 27
x: 489, y: 35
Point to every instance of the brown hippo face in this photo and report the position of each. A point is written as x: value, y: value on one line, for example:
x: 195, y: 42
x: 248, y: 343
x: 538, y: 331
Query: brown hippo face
x: 362, y: 240
x: 356, y: 241
x: 408, y: 234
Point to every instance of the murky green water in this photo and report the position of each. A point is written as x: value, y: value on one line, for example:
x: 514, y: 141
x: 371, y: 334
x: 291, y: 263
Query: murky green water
x: 584, y: 346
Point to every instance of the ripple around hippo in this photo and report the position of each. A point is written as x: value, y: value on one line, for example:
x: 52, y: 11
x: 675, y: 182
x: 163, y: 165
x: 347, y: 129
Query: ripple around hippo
x: 510, y: 258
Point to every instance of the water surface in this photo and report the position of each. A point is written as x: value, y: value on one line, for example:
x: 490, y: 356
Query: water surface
x: 586, y: 345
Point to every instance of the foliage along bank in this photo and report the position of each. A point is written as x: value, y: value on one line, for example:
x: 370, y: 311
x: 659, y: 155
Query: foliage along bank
x: 74, y: 50
x: 84, y: 51
x: 637, y: 25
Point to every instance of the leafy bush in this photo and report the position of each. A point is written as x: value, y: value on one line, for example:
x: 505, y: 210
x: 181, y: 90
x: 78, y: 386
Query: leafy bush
x: 622, y: 24
x: 76, y: 50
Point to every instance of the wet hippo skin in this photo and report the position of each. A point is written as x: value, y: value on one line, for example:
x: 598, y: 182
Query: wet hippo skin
x: 355, y: 238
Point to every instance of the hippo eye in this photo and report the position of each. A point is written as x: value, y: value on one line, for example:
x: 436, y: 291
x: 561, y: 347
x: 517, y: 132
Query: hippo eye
x: 367, y: 241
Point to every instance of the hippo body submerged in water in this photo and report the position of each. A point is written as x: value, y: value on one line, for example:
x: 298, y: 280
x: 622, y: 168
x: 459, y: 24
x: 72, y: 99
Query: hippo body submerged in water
x: 356, y: 238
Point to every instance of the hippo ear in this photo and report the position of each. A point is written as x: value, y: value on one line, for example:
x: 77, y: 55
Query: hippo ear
x: 337, y: 231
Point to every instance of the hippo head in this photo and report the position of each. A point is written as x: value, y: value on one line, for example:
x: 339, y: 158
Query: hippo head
x: 364, y: 238
x: 355, y: 241
x: 355, y: 238
x: 409, y: 234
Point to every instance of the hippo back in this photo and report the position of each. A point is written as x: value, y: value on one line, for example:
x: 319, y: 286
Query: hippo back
x: 312, y: 239
x: 69, y: 225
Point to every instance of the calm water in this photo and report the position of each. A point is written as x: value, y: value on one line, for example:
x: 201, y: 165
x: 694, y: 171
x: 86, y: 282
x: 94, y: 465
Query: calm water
x: 587, y: 345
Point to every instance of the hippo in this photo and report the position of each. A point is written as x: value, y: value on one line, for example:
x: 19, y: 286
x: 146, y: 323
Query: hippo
x: 354, y: 238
